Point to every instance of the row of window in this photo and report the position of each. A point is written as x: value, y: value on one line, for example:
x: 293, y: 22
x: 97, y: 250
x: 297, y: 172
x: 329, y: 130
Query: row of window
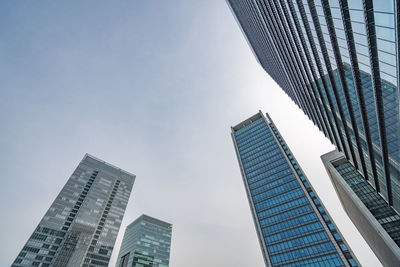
x: 313, y: 197
x: 279, y: 199
x: 295, y: 202
x: 298, y: 242
x: 252, y: 136
x: 251, y: 144
x: 251, y: 156
x: 268, y: 169
x: 272, y: 150
x: 272, y: 183
x: 90, y: 257
x: 241, y: 131
x: 258, y: 146
x: 276, y: 191
x: 302, y: 253
x: 300, y: 220
x: 268, y: 161
x: 386, y: 216
x: 278, y: 165
x: 364, y: 31
x: 332, y: 260
x: 302, y: 230
x: 298, y: 210
x: 263, y: 178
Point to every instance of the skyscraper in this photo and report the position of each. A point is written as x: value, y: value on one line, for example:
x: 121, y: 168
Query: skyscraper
x: 338, y: 60
x: 146, y: 243
x: 293, y: 227
x: 81, y: 226
x: 378, y: 222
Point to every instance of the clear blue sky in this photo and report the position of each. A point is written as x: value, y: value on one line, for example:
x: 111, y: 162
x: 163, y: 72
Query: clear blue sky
x: 152, y: 87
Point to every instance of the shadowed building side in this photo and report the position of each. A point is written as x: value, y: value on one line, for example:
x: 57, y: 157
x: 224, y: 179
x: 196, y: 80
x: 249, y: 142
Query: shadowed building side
x: 338, y: 60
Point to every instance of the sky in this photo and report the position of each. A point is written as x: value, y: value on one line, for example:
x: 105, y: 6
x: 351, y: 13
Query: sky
x: 152, y: 87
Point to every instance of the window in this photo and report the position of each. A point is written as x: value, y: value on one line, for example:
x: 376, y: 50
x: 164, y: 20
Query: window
x: 352, y: 262
x: 337, y: 236
x: 124, y: 260
x: 343, y: 247
x: 103, y: 251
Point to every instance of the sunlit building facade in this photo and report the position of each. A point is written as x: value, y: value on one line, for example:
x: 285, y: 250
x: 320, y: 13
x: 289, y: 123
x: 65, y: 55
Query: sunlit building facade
x: 82, y: 224
x: 293, y: 226
x: 146, y: 243
x: 338, y: 60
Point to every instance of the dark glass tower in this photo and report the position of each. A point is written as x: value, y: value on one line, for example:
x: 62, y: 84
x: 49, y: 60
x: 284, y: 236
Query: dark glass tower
x: 338, y: 60
x: 82, y: 224
x: 293, y: 227
x: 146, y: 243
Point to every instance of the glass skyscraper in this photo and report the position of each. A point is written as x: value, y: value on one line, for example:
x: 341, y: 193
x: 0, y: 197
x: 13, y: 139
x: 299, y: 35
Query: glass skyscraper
x: 378, y: 222
x: 338, y: 60
x: 81, y: 226
x: 146, y: 243
x: 293, y: 227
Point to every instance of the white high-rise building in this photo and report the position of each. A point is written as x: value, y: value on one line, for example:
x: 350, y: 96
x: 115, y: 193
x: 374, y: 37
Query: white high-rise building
x: 81, y: 226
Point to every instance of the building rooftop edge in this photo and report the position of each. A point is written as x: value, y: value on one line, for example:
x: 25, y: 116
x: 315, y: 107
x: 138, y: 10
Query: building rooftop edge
x: 247, y: 121
x: 87, y: 155
x: 251, y: 119
x: 150, y: 219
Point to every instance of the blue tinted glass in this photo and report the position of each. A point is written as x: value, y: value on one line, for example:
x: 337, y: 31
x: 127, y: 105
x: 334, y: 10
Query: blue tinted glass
x: 386, y: 46
x: 384, y: 6
x: 357, y: 15
x: 355, y: 4
x: 285, y: 215
x: 384, y: 19
x: 385, y: 33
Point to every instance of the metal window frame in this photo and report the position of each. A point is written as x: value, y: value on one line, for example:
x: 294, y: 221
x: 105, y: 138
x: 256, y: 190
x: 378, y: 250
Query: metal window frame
x: 286, y: 62
x: 299, y: 56
x: 328, y: 65
x: 376, y: 81
x: 358, y: 86
x: 317, y: 89
x: 339, y: 62
x: 266, y: 39
x: 341, y: 146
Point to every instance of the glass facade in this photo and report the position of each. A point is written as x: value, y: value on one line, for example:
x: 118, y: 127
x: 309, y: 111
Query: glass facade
x: 293, y: 227
x: 81, y: 226
x: 338, y: 61
x: 388, y: 218
x: 146, y: 243
x: 377, y: 221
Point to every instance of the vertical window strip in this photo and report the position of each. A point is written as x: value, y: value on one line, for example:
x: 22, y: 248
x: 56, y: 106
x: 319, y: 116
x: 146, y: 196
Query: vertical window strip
x: 371, y: 35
